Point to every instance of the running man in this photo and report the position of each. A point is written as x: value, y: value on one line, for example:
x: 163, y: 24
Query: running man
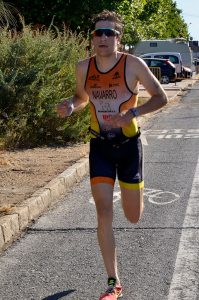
x: 109, y: 82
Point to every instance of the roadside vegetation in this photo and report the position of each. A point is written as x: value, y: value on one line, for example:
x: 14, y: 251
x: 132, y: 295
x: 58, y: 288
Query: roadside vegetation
x: 37, y: 70
x: 37, y: 63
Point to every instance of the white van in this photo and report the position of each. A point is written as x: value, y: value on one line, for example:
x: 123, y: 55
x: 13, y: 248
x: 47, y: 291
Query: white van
x: 174, y: 57
x: 179, y: 45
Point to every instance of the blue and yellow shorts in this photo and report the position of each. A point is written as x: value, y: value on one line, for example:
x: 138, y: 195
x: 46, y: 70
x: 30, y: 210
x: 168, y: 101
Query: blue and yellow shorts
x: 109, y: 158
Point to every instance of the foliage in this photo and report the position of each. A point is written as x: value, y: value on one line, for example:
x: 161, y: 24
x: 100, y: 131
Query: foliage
x: 175, y: 24
x: 144, y: 19
x: 37, y: 70
x: 74, y: 14
x: 7, y: 12
x: 163, y: 20
x: 154, y: 19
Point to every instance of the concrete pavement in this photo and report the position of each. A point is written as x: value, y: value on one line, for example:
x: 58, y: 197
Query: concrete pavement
x: 15, y: 223
x: 172, y: 89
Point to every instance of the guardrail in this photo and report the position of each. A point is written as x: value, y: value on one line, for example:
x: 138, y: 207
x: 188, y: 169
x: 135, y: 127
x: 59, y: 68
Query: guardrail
x: 156, y: 71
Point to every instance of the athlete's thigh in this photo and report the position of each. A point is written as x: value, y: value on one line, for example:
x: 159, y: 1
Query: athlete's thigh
x: 102, y: 166
x: 130, y: 166
x: 132, y: 203
x: 103, y: 197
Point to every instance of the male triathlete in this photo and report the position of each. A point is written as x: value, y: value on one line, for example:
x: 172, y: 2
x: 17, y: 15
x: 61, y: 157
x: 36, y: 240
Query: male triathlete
x: 109, y: 82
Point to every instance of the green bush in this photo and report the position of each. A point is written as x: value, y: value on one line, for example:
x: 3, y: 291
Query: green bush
x: 37, y: 69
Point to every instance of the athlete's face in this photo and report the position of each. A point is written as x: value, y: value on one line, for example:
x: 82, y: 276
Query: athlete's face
x: 105, y: 41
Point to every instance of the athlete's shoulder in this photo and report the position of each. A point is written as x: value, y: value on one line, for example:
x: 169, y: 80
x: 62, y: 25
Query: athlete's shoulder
x: 134, y: 59
x: 82, y: 67
x: 135, y: 63
x: 83, y: 63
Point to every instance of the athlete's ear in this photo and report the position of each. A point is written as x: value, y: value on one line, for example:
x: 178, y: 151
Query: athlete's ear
x: 91, y: 42
x: 118, y: 41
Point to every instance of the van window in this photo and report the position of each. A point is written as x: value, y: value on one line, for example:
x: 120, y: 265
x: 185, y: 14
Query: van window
x: 153, y: 44
x: 174, y: 59
x: 157, y: 63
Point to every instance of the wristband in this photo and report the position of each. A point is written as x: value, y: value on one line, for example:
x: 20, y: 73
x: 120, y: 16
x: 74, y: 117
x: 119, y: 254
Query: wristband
x: 71, y: 105
x: 134, y: 112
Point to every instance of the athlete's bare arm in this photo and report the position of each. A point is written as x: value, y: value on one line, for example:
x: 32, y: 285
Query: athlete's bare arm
x: 80, y: 98
x: 138, y: 72
x: 144, y: 76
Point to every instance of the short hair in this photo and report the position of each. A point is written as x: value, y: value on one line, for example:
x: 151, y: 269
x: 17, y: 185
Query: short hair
x: 111, y: 16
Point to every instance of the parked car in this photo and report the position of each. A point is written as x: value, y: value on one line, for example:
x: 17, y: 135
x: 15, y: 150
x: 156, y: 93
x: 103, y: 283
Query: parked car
x: 187, y: 72
x: 173, y: 57
x: 163, y: 69
x: 196, y: 63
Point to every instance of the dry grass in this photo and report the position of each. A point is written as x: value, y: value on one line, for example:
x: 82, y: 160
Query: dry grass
x: 6, y: 209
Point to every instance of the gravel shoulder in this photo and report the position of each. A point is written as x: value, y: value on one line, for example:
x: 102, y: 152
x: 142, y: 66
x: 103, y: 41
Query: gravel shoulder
x: 22, y: 172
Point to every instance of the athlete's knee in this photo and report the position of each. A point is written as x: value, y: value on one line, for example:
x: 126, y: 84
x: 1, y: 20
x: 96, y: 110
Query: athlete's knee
x: 104, y: 216
x: 104, y: 213
x: 133, y: 205
x: 134, y: 216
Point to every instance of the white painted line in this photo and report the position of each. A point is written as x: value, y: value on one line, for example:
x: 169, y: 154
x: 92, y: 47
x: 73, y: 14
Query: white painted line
x: 185, y: 279
x: 157, y: 197
x: 160, y: 197
x: 144, y: 140
x: 173, y: 133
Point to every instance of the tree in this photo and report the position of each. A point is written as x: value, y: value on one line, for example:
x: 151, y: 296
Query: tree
x: 176, y: 25
x: 148, y: 19
x: 75, y: 14
x: 6, y: 14
x: 144, y: 19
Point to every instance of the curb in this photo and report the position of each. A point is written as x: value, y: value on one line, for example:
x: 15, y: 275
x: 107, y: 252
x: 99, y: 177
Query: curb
x: 12, y: 225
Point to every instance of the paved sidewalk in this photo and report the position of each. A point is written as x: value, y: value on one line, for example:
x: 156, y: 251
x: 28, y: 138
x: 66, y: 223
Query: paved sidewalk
x: 14, y: 224
x: 172, y: 89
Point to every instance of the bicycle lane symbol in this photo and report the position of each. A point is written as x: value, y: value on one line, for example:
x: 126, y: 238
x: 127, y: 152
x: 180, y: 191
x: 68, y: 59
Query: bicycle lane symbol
x: 160, y: 197
x: 154, y: 196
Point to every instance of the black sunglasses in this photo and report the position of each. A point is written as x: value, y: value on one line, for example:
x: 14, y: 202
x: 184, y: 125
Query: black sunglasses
x: 107, y: 31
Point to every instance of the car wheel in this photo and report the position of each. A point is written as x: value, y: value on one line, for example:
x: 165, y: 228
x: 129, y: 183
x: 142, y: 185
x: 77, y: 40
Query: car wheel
x: 164, y: 79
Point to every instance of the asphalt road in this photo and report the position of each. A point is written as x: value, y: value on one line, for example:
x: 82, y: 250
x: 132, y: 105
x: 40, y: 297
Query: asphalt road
x: 58, y: 257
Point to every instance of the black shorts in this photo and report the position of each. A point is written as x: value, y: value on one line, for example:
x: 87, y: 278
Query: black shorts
x: 124, y: 160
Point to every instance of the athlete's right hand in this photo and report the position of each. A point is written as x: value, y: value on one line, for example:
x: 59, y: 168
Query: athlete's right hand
x: 65, y: 108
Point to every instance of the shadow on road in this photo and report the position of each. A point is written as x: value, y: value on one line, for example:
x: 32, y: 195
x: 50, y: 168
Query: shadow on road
x: 59, y: 295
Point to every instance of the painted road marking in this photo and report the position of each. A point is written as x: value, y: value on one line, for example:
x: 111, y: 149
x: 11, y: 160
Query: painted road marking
x: 154, y: 196
x: 169, y: 134
x: 173, y: 133
x: 184, y: 284
x: 144, y: 140
x: 160, y: 197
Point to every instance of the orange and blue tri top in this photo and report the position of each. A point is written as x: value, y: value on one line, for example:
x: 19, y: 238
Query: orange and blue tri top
x: 109, y: 94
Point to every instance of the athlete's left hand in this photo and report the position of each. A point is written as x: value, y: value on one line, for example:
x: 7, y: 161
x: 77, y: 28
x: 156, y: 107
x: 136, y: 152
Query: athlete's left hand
x: 122, y: 119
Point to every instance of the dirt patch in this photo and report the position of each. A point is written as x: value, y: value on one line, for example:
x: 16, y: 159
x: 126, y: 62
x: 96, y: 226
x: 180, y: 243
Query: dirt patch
x: 25, y: 171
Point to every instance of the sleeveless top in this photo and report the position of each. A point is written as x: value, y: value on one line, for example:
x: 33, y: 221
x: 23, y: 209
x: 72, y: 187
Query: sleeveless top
x: 109, y: 94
